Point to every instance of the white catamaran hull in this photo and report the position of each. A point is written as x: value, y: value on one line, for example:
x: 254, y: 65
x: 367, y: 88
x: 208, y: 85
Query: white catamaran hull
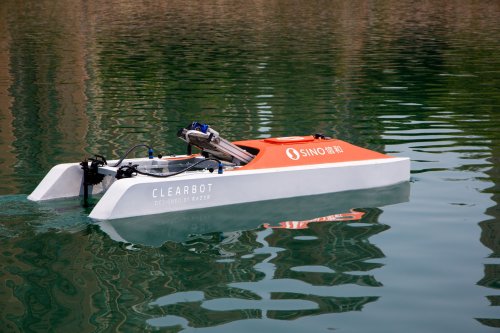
x: 144, y: 195
x: 247, y: 171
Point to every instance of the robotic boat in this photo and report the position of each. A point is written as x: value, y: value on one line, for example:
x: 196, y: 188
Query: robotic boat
x: 223, y: 173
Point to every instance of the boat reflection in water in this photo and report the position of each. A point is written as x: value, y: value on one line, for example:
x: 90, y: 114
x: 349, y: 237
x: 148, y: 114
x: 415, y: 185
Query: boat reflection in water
x: 306, y: 262
x: 154, y: 230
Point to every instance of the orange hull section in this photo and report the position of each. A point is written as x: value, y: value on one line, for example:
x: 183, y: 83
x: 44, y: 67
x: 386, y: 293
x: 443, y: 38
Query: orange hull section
x: 303, y: 150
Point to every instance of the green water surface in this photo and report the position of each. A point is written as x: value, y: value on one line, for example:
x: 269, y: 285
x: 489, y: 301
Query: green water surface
x: 409, y: 78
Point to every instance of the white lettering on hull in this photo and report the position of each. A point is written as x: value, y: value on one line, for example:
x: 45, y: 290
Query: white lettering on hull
x: 295, y: 154
x: 175, y: 195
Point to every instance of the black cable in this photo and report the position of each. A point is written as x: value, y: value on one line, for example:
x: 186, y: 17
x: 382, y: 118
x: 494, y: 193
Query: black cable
x: 129, y: 151
x: 134, y: 169
x: 181, y: 171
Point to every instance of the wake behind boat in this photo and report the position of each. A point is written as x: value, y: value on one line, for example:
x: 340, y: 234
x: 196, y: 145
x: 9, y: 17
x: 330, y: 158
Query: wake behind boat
x: 224, y: 173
